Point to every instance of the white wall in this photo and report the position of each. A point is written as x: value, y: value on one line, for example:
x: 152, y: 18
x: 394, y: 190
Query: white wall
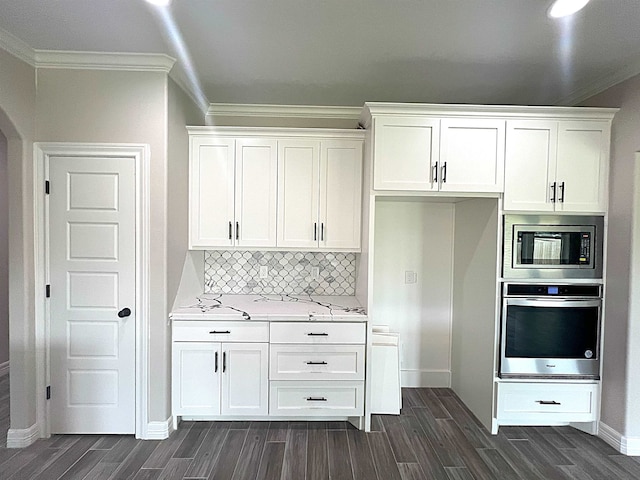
x: 130, y: 107
x: 621, y: 352
x: 182, y: 112
x: 17, y: 114
x: 415, y: 236
x: 4, y: 253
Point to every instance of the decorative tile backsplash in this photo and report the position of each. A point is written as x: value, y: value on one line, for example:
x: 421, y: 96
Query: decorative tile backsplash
x: 287, y: 273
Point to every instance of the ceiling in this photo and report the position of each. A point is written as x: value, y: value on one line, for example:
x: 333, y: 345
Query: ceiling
x: 346, y: 52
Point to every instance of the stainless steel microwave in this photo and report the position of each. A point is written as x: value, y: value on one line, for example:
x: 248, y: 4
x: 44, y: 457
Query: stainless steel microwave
x: 552, y: 247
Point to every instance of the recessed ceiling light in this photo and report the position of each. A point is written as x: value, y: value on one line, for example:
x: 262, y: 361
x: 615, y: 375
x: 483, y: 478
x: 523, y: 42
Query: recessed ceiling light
x: 160, y: 3
x: 562, y: 8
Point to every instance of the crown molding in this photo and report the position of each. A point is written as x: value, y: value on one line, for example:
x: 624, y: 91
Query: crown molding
x: 187, y: 87
x: 601, y: 84
x: 139, y: 62
x: 283, y: 111
x: 16, y: 47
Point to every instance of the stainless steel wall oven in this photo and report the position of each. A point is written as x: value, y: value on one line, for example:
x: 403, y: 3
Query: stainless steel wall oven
x: 550, y: 331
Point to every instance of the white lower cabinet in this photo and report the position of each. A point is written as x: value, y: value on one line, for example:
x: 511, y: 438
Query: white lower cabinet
x: 531, y: 403
x: 259, y: 369
x: 316, y: 369
x: 314, y: 398
x: 213, y: 378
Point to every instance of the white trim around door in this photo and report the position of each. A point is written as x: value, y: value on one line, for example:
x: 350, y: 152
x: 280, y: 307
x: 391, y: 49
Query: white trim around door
x: 140, y: 154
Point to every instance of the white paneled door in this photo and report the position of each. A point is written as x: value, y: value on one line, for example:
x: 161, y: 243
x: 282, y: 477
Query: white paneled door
x: 92, y: 299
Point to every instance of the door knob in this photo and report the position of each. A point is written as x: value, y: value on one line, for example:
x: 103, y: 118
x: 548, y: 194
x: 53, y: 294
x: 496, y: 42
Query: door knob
x: 125, y: 312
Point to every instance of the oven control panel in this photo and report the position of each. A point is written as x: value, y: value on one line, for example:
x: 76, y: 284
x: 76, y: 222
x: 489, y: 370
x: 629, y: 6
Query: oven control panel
x: 551, y: 290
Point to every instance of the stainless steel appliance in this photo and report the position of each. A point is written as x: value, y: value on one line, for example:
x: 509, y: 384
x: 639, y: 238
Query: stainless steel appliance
x: 550, y: 331
x: 552, y: 246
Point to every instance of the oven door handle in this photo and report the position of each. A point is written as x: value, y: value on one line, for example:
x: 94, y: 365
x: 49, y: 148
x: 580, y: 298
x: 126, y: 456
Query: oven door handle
x: 543, y: 302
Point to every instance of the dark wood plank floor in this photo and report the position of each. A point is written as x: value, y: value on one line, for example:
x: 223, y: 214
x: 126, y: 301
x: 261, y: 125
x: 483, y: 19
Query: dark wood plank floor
x: 435, y: 438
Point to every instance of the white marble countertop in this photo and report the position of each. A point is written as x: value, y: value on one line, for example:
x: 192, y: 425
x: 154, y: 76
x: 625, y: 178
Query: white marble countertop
x: 210, y: 306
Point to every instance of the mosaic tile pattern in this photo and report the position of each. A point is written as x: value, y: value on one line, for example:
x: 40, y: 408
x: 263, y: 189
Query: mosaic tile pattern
x: 288, y: 273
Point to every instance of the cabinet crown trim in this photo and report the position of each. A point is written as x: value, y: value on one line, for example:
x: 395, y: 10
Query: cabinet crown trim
x: 280, y: 132
x: 283, y: 111
x: 513, y: 112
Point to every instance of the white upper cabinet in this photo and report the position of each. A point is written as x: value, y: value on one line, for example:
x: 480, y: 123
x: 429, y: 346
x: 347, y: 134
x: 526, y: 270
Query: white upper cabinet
x: 211, y: 191
x: 432, y: 154
x: 275, y: 188
x: 340, y: 194
x: 319, y: 194
x: 233, y: 192
x: 298, y: 193
x: 559, y: 166
x: 582, y: 169
x: 471, y: 155
x: 405, y: 150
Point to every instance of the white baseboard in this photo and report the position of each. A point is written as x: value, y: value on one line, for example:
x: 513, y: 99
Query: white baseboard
x: 159, y: 430
x: 625, y: 445
x: 4, y: 368
x: 20, y: 438
x: 425, y: 378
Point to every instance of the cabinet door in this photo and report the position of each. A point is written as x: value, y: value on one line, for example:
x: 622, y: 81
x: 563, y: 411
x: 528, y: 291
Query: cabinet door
x: 582, y: 167
x: 404, y: 150
x: 530, y: 164
x: 211, y: 193
x: 298, y: 193
x: 340, y: 194
x: 471, y: 155
x: 256, y: 193
x: 245, y: 379
x: 196, y: 368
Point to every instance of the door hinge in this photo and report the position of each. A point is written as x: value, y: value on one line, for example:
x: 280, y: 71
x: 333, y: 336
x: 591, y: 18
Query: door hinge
x: 47, y: 292
x: 46, y: 187
x: 49, y: 392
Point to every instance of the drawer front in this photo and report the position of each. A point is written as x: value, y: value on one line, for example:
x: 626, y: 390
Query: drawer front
x: 316, y: 399
x: 561, y: 402
x: 196, y: 331
x: 316, y: 362
x: 318, y: 332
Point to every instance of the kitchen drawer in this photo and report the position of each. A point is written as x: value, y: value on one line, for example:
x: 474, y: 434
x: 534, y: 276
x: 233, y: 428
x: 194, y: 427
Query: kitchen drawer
x: 559, y: 402
x: 206, y: 331
x: 316, y: 362
x: 316, y: 399
x: 318, y: 332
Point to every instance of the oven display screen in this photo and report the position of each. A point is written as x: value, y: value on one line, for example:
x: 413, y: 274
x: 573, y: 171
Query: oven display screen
x: 552, y: 290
